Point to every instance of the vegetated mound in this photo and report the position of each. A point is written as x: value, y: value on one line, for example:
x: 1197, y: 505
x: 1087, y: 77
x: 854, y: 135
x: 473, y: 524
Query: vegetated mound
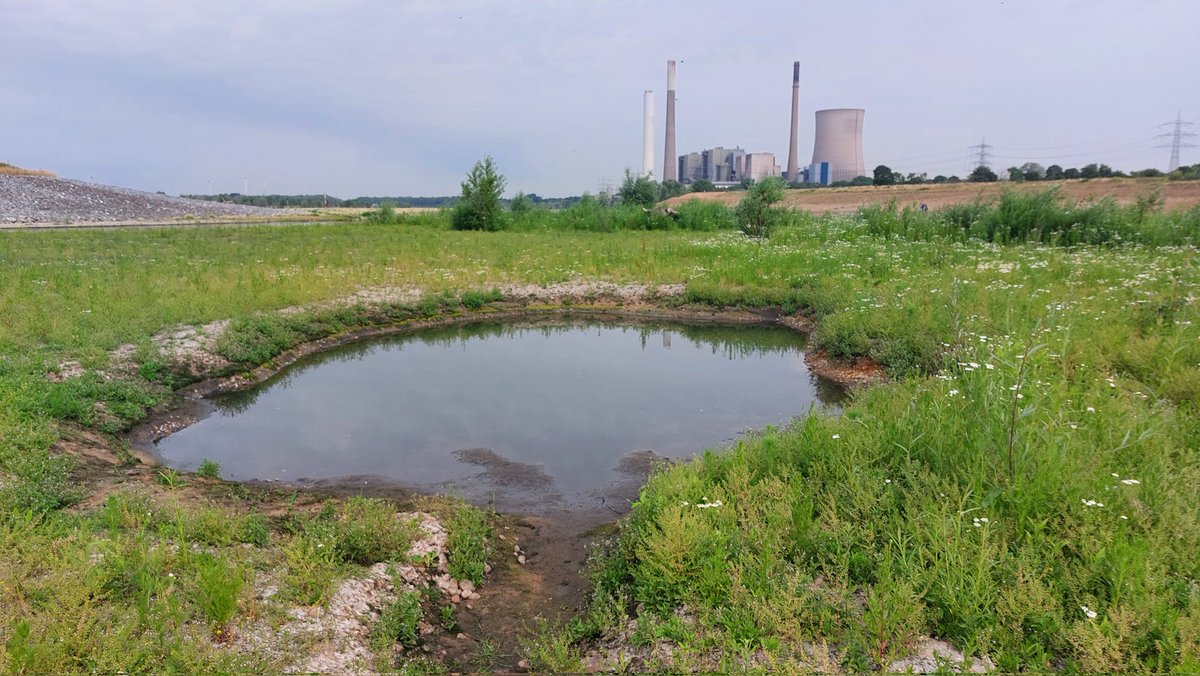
x: 7, y: 169
x: 1175, y: 194
x: 46, y: 199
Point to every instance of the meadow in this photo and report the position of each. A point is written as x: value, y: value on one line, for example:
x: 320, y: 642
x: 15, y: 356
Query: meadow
x: 1024, y: 487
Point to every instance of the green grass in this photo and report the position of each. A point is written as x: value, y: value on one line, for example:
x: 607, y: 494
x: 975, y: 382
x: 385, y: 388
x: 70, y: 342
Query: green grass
x: 861, y: 531
x: 468, y: 533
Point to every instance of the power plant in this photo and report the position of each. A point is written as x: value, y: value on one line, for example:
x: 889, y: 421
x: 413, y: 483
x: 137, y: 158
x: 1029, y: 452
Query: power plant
x: 648, y: 133
x: 669, y: 145
x: 838, y: 142
x: 837, y: 147
x: 793, y: 166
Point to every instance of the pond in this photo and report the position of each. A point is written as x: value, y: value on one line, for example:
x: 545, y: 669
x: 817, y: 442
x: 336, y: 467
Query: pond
x: 537, y: 413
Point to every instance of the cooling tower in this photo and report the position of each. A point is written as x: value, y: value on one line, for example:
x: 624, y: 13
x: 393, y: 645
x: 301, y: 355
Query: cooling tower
x: 648, y: 133
x: 793, y: 165
x: 839, y: 142
x: 669, y: 144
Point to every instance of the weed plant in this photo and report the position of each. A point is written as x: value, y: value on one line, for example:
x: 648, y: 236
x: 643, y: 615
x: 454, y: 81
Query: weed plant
x: 398, y: 623
x: 467, y: 542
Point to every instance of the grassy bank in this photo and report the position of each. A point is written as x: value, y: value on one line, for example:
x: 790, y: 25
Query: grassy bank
x: 1025, y: 489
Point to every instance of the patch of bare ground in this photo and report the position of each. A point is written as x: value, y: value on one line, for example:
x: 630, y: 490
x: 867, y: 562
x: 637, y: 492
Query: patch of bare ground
x: 1175, y: 194
x: 620, y: 654
x: 335, y: 637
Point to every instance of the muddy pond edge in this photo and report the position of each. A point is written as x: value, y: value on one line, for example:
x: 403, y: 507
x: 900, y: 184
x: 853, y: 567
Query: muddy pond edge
x: 189, y: 403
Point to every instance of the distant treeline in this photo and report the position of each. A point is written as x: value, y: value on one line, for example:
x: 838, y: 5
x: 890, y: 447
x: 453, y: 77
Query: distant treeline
x: 315, y: 201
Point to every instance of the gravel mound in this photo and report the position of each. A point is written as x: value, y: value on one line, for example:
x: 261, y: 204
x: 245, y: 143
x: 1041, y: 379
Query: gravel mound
x: 45, y: 199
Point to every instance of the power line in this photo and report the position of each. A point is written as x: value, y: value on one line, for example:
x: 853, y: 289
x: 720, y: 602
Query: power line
x: 1177, y: 135
x: 983, y: 149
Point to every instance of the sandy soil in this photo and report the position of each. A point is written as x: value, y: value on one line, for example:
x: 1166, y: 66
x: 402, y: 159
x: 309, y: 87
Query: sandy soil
x: 1176, y: 194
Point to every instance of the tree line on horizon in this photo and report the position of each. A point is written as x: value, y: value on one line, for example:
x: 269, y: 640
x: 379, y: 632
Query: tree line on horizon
x: 1032, y: 171
x: 643, y: 189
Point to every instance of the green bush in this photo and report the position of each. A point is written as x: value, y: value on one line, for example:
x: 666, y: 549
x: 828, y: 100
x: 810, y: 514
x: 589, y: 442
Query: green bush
x: 398, y: 623
x: 369, y: 531
x: 467, y: 543
x: 699, y: 214
x: 217, y: 587
x: 479, y: 207
x: 756, y: 214
x: 209, y: 469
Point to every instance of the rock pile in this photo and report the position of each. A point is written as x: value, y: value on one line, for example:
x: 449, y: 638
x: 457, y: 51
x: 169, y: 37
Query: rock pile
x: 46, y: 199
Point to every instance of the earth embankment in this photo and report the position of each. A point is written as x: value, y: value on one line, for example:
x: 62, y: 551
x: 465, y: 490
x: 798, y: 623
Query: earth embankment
x: 44, y: 200
x: 1175, y: 194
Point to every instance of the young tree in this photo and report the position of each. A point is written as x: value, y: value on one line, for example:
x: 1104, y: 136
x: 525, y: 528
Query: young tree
x: 479, y: 206
x: 1033, y: 171
x: 521, y: 204
x: 982, y: 174
x: 1054, y: 173
x: 638, y: 190
x: 885, y: 176
x: 670, y: 189
x: 756, y: 213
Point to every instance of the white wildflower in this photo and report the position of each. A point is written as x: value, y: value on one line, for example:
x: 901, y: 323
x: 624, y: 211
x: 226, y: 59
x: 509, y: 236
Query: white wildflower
x: 1091, y: 614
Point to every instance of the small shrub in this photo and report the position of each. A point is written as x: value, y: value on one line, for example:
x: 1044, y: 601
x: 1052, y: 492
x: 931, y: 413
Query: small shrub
x: 218, y: 585
x: 468, y: 544
x: 756, y: 213
x: 385, y: 215
x: 312, y: 564
x: 479, y: 207
x: 398, y: 623
x: 255, y: 530
x: 446, y: 618
x: 892, y: 619
x: 209, y: 469
x: 169, y: 478
x: 476, y: 299
x: 697, y: 214
x: 368, y: 531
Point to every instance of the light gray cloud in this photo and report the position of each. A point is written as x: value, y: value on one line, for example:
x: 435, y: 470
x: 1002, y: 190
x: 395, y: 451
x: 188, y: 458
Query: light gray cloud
x: 374, y: 97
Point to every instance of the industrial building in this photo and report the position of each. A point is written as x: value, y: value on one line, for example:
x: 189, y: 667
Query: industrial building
x: 839, y: 142
x: 837, y: 147
x: 757, y: 166
x: 726, y: 166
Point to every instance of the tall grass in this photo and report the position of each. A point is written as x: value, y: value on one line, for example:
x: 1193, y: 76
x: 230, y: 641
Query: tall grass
x: 1045, y: 217
x: 900, y: 517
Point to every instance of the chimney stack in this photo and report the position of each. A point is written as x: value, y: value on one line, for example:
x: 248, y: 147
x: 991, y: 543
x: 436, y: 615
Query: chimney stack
x: 648, y: 133
x: 669, y: 158
x: 793, y: 165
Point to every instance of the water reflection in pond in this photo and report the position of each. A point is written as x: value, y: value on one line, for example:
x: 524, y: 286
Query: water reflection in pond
x: 551, y: 412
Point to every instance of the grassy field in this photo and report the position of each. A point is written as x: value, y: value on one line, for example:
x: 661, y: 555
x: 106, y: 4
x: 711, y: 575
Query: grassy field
x: 1025, y: 488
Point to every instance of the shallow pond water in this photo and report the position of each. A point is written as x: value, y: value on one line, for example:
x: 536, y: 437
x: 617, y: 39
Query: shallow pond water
x: 538, y: 413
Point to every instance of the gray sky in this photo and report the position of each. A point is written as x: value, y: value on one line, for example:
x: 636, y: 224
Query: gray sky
x: 370, y: 97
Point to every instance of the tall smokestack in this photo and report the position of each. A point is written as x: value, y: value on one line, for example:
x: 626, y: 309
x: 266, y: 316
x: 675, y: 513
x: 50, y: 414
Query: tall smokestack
x: 648, y: 133
x: 793, y: 165
x: 669, y: 158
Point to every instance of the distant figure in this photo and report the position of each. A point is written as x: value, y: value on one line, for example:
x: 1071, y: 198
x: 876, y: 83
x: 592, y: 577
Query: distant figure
x: 924, y: 207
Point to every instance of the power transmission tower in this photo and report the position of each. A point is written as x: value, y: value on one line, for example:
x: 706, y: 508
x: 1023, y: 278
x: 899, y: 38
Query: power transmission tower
x: 982, y: 150
x: 1177, y: 135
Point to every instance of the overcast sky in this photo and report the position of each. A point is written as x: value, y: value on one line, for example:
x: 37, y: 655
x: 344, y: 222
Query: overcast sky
x: 386, y: 97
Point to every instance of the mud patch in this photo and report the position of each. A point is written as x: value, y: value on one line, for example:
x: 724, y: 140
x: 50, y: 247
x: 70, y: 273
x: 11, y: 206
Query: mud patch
x: 640, y: 463
x: 501, y: 471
